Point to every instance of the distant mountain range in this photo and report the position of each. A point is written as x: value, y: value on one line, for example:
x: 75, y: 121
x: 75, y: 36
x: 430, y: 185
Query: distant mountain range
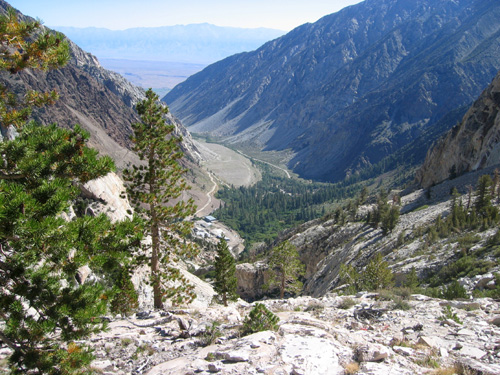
x: 352, y: 89
x: 195, y: 44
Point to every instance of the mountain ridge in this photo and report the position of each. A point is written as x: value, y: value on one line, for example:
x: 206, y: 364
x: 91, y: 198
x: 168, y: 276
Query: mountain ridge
x: 471, y: 145
x: 371, y: 77
x: 100, y: 100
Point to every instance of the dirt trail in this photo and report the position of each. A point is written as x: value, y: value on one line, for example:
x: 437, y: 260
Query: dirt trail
x: 230, y: 167
x: 266, y: 162
x: 209, y: 196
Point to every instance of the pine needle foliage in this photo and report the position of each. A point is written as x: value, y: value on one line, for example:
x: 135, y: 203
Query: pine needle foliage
x: 43, y: 306
x: 27, y: 45
x: 286, y: 267
x: 155, y: 189
x: 44, y: 309
x: 125, y: 298
x: 225, y: 273
x: 259, y: 319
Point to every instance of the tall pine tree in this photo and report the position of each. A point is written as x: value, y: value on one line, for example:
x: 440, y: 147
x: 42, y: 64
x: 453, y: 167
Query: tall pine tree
x: 155, y: 188
x: 44, y: 309
x: 225, y: 270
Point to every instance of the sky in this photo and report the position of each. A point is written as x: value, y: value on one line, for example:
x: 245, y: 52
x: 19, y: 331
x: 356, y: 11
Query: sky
x: 124, y: 14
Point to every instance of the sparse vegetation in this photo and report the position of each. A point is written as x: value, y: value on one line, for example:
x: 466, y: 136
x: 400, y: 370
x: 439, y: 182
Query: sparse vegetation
x: 259, y: 319
x: 376, y: 275
x: 400, y: 304
x: 351, y: 368
x: 286, y: 267
x: 448, y: 313
x: 212, y: 333
x: 346, y: 303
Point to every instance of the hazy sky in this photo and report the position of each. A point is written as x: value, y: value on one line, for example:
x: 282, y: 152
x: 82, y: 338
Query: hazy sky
x: 124, y: 14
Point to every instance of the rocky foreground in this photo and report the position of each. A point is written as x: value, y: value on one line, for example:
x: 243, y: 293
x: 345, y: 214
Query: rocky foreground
x: 328, y: 335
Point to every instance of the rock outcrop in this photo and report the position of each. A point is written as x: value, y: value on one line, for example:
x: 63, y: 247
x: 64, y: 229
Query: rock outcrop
x: 471, y: 145
x: 329, y: 335
x: 251, y: 280
x: 352, y: 88
x: 105, y: 194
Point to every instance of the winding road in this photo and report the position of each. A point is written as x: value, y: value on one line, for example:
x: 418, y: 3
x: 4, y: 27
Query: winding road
x: 209, y: 194
x: 263, y: 161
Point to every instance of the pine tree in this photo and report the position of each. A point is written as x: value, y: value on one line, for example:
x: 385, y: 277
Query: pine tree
x: 260, y: 319
x: 24, y: 45
x: 483, y: 204
x: 377, y: 274
x: 155, y: 188
x: 43, y: 307
x: 225, y: 270
x: 286, y: 267
x: 389, y: 220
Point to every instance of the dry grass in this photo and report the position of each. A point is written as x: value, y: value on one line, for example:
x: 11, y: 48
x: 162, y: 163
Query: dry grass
x: 351, y: 368
x: 446, y: 371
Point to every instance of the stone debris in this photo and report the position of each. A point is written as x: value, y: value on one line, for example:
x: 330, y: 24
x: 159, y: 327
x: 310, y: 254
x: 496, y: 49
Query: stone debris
x: 314, y: 337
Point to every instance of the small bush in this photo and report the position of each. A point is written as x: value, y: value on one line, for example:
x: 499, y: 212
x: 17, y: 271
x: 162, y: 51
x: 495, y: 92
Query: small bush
x: 376, y: 275
x: 400, y: 304
x: 211, y: 334
x: 315, y: 306
x: 404, y: 292
x: 446, y: 371
x: 385, y: 295
x: 448, y: 313
x: 454, y: 290
x: 124, y: 300
x: 259, y: 319
x: 428, y: 361
x: 346, y: 303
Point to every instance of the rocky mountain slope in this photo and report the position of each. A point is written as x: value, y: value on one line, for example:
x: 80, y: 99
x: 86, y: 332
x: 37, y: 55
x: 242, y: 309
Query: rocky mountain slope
x: 317, y: 336
x: 353, y: 87
x: 473, y: 144
x: 101, y: 101
x: 326, y: 244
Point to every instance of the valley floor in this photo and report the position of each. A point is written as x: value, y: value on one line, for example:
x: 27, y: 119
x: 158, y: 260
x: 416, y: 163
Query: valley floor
x: 230, y: 167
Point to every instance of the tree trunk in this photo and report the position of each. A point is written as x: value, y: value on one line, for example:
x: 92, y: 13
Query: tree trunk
x: 155, y: 236
x: 282, y: 286
x: 155, y: 264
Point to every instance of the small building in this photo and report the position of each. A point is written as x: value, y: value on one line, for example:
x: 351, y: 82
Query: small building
x: 209, y: 219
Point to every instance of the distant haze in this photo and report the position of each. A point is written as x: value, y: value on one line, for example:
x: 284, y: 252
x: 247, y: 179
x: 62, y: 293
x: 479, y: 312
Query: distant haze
x: 124, y: 14
x: 193, y: 44
x: 162, y: 57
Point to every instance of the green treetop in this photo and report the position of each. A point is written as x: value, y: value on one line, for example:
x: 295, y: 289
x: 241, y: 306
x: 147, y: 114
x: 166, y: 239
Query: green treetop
x: 225, y: 269
x: 286, y: 268
x: 155, y: 188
